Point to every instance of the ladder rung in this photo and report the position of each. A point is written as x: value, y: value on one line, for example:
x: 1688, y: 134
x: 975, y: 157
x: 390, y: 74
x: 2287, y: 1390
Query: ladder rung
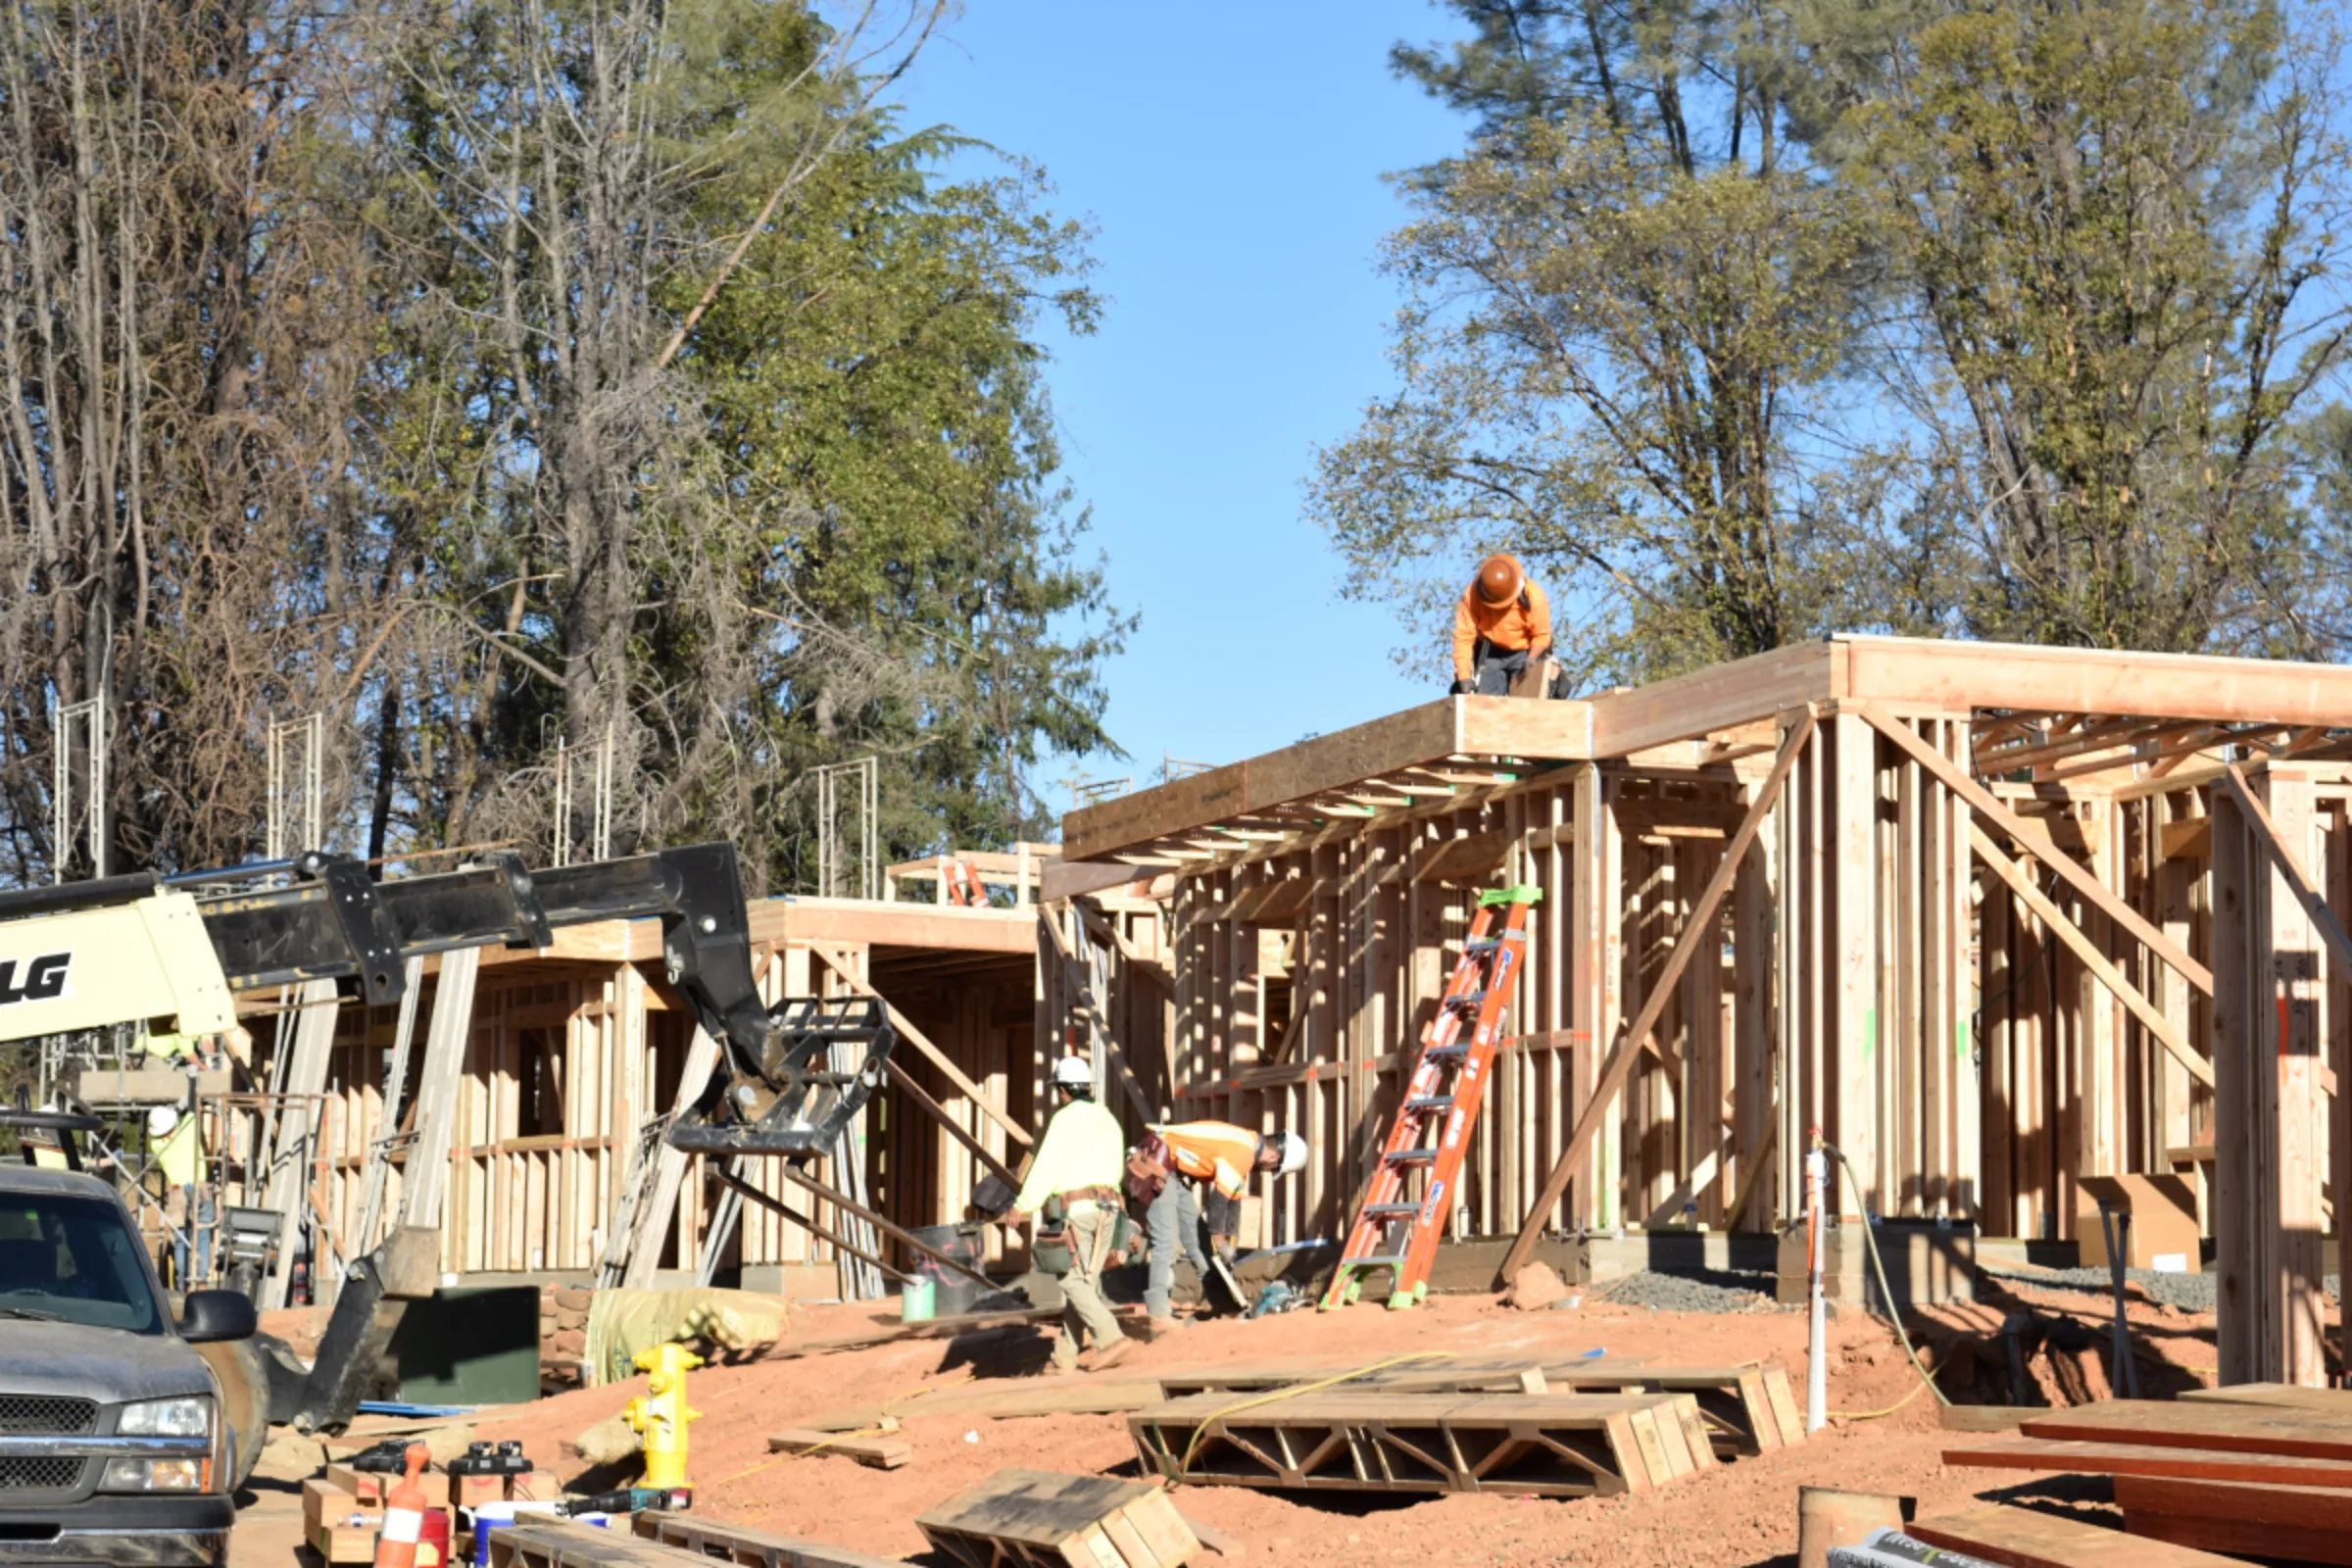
x: 1374, y: 1211
x: 1483, y: 944
x: 1411, y: 1156
x: 1430, y: 1102
x: 1382, y: 1261
x: 1445, y: 1052
x: 1468, y: 1000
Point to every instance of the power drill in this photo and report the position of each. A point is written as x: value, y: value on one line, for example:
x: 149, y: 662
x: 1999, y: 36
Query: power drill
x: 632, y: 1499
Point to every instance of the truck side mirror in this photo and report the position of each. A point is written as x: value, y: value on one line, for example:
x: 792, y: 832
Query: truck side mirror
x: 216, y: 1315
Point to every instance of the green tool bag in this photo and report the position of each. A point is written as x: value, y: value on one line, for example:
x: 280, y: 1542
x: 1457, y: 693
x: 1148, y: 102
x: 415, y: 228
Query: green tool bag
x: 1050, y: 1247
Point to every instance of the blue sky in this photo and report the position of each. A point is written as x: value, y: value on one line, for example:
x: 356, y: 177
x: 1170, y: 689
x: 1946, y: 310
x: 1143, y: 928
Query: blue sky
x: 1229, y: 157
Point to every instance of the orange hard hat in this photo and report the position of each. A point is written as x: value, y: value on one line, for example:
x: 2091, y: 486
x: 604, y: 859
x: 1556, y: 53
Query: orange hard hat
x: 1499, y: 579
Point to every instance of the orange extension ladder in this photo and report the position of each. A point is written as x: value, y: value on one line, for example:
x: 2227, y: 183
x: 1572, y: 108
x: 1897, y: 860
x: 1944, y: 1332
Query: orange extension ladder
x: 963, y: 887
x: 1443, y: 1095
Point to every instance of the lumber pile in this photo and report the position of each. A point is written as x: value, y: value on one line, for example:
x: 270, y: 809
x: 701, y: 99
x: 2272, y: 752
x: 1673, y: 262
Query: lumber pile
x: 2022, y: 1538
x: 2267, y: 1464
x: 1038, y: 1519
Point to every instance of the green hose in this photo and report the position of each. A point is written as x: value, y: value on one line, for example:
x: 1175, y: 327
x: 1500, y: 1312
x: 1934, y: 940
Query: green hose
x: 1885, y: 1294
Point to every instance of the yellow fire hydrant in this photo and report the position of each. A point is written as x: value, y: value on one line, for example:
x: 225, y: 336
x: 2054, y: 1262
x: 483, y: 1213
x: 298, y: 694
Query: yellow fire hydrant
x: 659, y: 1415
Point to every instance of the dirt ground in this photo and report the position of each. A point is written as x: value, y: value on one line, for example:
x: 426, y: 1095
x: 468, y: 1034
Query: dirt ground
x: 1739, y: 1513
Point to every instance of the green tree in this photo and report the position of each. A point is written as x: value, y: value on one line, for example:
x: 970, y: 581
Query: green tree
x: 2112, y: 227
x: 1629, y: 307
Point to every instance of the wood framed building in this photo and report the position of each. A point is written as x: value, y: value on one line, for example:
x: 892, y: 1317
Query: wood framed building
x: 1991, y: 919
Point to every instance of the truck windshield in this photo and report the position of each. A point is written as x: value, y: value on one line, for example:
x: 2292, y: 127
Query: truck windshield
x: 72, y: 1259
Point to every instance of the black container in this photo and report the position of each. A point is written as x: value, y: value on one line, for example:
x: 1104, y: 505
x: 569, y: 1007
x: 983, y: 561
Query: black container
x: 954, y: 1293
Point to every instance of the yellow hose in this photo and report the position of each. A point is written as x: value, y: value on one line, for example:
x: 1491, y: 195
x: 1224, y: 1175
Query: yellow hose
x: 1292, y: 1392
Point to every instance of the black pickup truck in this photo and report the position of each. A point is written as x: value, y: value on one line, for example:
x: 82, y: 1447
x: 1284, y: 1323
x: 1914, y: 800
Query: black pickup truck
x: 113, y: 1448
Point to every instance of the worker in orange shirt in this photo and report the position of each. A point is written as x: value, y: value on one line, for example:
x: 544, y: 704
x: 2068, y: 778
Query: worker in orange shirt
x: 1220, y: 1156
x: 1501, y: 626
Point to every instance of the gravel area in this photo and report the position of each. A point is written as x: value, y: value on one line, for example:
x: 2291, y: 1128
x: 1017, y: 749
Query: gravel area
x: 2186, y: 1293
x: 1699, y: 1291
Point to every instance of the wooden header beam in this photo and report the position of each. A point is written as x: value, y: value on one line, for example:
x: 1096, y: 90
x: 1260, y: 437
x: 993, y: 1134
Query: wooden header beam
x: 1404, y: 759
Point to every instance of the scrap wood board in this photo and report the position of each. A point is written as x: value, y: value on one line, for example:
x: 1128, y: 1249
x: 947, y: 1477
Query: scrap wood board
x: 747, y: 1547
x: 1424, y: 1377
x: 2023, y: 1537
x: 1375, y: 1439
x: 1038, y: 1519
x: 874, y: 1452
x: 2149, y: 1459
x: 929, y: 1329
x: 2314, y: 1523
x: 2229, y: 1428
x: 1080, y: 1396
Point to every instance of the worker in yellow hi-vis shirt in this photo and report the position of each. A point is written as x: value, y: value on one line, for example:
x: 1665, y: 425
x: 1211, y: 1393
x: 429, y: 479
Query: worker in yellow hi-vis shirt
x: 1073, y: 1188
x: 176, y: 1143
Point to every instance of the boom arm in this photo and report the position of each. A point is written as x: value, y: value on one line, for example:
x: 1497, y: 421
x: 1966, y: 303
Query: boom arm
x: 135, y: 948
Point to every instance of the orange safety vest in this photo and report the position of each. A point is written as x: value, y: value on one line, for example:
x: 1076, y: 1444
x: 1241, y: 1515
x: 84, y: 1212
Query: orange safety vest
x: 1213, y: 1152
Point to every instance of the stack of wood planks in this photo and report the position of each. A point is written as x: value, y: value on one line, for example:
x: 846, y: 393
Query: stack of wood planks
x: 1576, y: 1429
x: 2261, y: 1467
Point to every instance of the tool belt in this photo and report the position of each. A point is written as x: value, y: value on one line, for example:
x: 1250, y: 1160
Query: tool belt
x: 1146, y: 1170
x: 1054, y: 1250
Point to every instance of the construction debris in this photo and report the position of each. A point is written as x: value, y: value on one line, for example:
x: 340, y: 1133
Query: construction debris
x: 875, y: 1453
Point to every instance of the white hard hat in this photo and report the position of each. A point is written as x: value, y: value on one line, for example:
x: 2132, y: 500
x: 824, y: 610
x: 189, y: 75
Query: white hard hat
x: 1294, y: 1154
x: 1073, y: 1072
x: 161, y: 1121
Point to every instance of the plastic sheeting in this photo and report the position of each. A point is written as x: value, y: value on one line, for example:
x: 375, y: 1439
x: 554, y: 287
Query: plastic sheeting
x: 622, y: 1321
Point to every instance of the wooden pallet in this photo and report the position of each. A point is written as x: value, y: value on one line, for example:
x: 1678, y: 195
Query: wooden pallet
x: 1378, y: 1440
x: 747, y: 1547
x: 553, y: 1544
x: 1038, y: 1519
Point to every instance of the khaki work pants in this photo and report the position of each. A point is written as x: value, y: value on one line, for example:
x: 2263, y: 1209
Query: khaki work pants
x: 1083, y: 1310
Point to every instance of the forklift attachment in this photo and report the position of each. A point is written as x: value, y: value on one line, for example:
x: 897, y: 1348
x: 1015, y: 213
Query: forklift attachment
x: 823, y: 1062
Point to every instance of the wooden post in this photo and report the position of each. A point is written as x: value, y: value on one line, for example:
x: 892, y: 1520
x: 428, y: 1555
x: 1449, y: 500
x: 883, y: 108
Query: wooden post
x: 2265, y: 1206
x: 1854, y: 804
x: 1753, y: 1030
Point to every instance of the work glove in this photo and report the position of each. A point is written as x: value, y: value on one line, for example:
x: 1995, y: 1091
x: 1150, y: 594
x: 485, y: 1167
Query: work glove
x: 1222, y: 1246
x: 1465, y: 688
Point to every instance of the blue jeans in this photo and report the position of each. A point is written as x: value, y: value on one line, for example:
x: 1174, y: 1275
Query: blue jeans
x: 1174, y: 1223
x: 200, y: 1226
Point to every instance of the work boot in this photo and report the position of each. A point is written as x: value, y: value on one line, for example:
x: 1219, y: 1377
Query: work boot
x: 1111, y: 1354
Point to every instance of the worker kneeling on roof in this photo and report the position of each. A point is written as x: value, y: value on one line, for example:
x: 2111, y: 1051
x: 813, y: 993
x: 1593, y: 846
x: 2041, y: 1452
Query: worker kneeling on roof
x: 1073, y: 1189
x: 1220, y: 1156
x: 1502, y: 627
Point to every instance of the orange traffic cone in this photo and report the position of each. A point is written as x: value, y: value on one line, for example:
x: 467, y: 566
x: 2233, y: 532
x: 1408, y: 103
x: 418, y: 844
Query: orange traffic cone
x: 404, y: 1516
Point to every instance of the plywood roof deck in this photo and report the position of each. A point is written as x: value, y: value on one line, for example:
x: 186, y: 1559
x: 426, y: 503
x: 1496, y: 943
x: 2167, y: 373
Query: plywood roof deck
x: 2084, y: 719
